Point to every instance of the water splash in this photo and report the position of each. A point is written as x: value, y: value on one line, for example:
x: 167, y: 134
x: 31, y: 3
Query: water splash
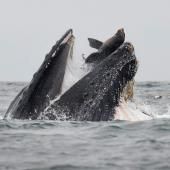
x: 146, y: 109
x: 1, y: 117
x: 151, y: 111
x: 164, y: 115
x: 131, y: 112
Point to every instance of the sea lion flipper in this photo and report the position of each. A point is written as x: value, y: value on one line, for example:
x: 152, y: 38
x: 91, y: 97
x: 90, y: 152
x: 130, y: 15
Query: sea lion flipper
x: 95, y: 43
x: 92, y: 58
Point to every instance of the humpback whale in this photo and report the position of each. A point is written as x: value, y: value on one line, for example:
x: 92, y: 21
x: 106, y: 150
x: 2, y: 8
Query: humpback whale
x: 94, y: 97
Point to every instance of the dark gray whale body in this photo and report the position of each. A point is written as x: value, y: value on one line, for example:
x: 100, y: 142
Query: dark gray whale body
x: 92, y: 98
x: 46, y: 83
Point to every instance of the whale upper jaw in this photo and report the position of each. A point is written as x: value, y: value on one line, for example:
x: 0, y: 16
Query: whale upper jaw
x: 46, y: 83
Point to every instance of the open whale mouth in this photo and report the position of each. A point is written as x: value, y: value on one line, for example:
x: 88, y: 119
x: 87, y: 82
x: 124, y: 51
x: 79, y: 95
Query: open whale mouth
x: 94, y: 97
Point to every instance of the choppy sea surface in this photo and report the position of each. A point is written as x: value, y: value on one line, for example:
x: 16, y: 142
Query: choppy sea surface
x: 61, y: 145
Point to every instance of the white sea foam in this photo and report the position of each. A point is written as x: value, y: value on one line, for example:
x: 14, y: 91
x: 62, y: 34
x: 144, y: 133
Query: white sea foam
x: 130, y: 112
x: 164, y: 115
x: 138, y: 112
x: 1, y: 117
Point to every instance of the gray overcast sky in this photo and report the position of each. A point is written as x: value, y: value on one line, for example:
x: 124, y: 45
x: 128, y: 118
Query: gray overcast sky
x: 28, y: 29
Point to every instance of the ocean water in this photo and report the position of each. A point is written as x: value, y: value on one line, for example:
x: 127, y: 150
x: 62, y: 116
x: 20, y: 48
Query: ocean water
x: 61, y: 145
